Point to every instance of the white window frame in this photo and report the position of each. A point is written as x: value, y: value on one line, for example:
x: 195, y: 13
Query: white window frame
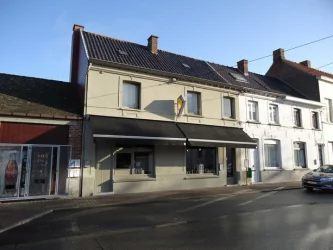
x: 233, y: 107
x: 138, y: 85
x: 250, y: 105
x: 277, y: 114
x: 300, y: 118
x: 305, y: 154
x: 330, y: 152
x: 318, y: 120
x: 198, y: 103
x: 273, y: 142
x: 328, y: 106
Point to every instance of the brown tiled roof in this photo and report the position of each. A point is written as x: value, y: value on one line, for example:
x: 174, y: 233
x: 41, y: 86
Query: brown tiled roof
x: 310, y: 71
x: 36, y: 97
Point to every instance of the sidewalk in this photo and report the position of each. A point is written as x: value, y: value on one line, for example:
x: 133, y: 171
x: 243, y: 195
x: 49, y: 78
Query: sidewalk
x: 21, y: 212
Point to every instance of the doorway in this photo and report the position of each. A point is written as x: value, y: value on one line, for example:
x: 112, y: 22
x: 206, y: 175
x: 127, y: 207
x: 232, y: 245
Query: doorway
x: 231, y: 166
x: 320, y: 155
x: 254, y: 163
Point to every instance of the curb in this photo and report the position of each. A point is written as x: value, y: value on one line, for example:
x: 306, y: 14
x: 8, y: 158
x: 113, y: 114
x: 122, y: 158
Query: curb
x: 25, y: 221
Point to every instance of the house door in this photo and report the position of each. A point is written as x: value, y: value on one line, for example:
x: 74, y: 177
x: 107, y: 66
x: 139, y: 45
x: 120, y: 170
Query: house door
x: 254, y: 164
x: 320, y: 155
x: 231, y: 165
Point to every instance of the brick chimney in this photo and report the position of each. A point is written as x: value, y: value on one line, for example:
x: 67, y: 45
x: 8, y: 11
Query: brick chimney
x: 75, y: 52
x: 306, y: 63
x: 153, y: 44
x: 242, y: 65
x: 278, y: 54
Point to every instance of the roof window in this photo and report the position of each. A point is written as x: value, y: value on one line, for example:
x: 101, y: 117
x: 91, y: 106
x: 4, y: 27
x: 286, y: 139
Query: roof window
x: 123, y: 52
x: 186, y: 65
x: 238, y: 77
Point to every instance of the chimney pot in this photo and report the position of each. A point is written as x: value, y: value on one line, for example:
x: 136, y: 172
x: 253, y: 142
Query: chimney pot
x: 78, y: 27
x: 306, y: 63
x: 242, y: 65
x: 153, y: 44
x: 278, y: 54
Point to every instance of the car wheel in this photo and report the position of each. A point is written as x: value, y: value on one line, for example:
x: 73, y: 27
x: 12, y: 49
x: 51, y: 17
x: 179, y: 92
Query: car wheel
x: 309, y: 189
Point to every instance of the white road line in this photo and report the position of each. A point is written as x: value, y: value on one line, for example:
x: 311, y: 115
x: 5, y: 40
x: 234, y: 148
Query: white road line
x: 262, y: 196
x: 212, y: 201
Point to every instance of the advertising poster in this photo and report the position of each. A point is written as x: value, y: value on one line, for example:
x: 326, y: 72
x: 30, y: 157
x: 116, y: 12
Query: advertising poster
x: 9, y: 169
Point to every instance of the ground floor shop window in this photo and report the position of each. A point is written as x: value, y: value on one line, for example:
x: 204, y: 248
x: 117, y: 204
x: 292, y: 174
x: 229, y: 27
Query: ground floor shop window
x: 201, y: 160
x: 299, y: 154
x: 272, y: 149
x: 136, y: 160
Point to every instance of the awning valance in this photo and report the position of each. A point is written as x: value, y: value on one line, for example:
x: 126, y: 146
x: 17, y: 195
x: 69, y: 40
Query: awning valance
x: 216, y: 136
x: 137, y: 130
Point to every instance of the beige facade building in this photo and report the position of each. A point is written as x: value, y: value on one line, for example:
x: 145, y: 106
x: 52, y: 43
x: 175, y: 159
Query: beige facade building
x: 137, y: 137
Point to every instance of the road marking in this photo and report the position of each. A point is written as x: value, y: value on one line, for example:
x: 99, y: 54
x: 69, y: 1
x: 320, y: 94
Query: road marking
x: 262, y: 196
x: 170, y: 224
x: 212, y: 201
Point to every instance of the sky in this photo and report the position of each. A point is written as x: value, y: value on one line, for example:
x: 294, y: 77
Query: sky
x: 35, y: 35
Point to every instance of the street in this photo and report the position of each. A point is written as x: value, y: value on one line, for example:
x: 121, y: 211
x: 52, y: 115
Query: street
x: 246, y: 219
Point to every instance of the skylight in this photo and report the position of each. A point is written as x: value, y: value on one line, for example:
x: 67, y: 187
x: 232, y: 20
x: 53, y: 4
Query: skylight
x: 238, y: 77
x: 123, y: 52
x: 186, y: 65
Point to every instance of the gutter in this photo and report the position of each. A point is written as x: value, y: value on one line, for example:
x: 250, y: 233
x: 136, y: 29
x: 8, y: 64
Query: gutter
x: 304, y: 101
x: 325, y: 78
x: 226, y: 85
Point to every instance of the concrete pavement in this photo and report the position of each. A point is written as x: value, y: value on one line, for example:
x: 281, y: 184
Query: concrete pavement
x: 14, y: 214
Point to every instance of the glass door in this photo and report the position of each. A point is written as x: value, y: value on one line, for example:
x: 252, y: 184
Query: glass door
x: 231, y: 166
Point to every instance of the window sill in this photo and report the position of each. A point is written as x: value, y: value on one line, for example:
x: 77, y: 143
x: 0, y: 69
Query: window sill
x: 316, y: 129
x: 194, y: 115
x: 133, y: 178
x: 273, y: 169
x: 130, y: 109
x: 301, y: 169
x: 253, y: 122
x: 275, y: 124
x: 229, y: 119
x: 298, y: 127
x: 329, y: 123
x: 200, y: 176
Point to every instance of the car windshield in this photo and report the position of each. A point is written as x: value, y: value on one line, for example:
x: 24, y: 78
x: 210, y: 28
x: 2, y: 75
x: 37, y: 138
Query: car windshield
x: 325, y: 169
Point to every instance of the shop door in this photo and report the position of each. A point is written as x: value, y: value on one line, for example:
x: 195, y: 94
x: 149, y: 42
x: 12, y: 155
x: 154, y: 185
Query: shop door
x: 231, y: 166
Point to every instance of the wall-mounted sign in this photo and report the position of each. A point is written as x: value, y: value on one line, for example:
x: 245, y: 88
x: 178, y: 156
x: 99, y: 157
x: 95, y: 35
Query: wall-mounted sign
x: 180, y: 105
x: 74, y: 163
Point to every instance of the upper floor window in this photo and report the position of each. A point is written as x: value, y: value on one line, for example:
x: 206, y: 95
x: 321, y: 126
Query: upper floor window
x: 228, y: 107
x: 328, y: 103
x: 297, y: 118
x: 315, y: 120
x: 131, y: 95
x: 273, y: 114
x: 193, y: 103
x: 252, y: 110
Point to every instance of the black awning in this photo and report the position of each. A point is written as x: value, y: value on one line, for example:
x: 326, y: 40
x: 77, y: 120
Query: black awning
x: 129, y: 130
x: 215, y: 136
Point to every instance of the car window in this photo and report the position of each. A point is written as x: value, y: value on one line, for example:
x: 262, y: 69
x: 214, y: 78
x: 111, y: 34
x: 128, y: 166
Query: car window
x: 325, y: 169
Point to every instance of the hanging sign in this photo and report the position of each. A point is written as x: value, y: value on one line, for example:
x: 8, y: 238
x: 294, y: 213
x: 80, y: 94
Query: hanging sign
x: 180, y: 105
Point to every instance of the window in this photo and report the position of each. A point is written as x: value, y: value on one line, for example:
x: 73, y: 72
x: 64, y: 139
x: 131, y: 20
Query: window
x: 201, y: 160
x: 252, y: 110
x: 299, y: 154
x: 228, y: 107
x: 321, y: 155
x: 238, y: 77
x: 297, y: 118
x: 131, y: 95
x: 271, y: 148
x: 328, y: 103
x: 186, y: 65
x: 273, y: 114
x: 193, y: 103
x: 136, y: 160
x: 315, y: 121
x: 330, y: 152
x: 123, y: 52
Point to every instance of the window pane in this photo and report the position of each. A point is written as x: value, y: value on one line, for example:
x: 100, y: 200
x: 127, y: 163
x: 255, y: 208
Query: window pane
x: 131, y: 95
x: 228, y: 107
x: 123, y: 161
x: 200, y: 160
x: 273, y: 114
x: 314, y: 119
x: 271, y: 155
x: 193, y: 103
x: 297, y: 117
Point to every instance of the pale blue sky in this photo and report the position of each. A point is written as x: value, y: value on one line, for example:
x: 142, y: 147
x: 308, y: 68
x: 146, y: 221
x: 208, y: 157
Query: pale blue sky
x: 35, y: 35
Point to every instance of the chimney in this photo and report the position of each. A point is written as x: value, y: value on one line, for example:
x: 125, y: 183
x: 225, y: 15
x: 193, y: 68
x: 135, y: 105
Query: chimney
x: 75, y: 53
x: 242, y: 65
x: 153, y: 44
x: 278, y: 54
x: 306, y: 63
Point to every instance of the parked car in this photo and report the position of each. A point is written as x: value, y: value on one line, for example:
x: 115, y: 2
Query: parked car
x: 321, y: 178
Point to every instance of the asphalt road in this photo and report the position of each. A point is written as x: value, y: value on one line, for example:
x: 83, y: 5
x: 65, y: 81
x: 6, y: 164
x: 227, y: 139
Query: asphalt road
x: 279, y: 219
